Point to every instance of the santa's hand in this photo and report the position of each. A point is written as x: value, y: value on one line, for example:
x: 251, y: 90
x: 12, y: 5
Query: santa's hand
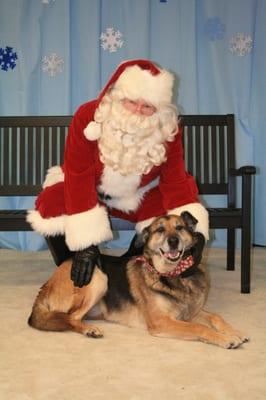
x: 197, y: 249
x: 83, y: 265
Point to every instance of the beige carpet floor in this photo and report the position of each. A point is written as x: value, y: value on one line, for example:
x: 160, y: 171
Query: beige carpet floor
x: 127, y: 363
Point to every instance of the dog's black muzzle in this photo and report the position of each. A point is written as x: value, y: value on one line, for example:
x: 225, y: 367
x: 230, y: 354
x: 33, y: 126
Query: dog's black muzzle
x: 173, y: 242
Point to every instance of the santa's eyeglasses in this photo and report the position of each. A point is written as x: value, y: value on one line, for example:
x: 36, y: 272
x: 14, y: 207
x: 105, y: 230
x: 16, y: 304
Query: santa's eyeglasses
x: 139, y: 107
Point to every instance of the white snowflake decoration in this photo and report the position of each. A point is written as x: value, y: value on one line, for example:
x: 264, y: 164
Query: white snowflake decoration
x: 47, y: 1
x: 111, y: 40
x: 52, y: 64
x: 240, y: 44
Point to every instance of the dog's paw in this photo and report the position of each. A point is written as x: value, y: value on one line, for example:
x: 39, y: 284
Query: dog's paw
x: 94, y: 332
x: 240, y: 335
x: 232, y: 341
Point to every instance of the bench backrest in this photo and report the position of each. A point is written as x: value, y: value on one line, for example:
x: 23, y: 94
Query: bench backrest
x: 209, y: 150
x: 30, y: 145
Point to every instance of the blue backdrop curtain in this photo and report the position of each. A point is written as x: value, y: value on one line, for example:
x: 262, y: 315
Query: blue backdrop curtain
x: 57, y: 54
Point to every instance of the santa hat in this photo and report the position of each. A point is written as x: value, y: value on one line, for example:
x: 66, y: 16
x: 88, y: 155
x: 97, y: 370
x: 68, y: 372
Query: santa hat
x: 136, y: 79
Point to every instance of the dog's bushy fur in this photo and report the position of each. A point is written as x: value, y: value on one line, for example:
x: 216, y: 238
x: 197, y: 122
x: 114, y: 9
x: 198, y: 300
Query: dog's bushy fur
x: 127, y: 292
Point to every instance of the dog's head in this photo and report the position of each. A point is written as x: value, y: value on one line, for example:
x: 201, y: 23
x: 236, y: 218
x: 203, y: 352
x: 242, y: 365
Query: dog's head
x: 168, y: 239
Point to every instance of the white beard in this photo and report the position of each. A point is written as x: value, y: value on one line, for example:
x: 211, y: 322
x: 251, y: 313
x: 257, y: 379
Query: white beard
x: 132, y: 144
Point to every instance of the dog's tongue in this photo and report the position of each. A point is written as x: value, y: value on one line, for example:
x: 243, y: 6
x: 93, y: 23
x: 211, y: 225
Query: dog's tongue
x: 172, y: 254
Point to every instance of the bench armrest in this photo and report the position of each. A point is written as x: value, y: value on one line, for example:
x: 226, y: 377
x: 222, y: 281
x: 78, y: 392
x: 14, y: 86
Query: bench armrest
x: 246, y: 173
x: 245, y: 170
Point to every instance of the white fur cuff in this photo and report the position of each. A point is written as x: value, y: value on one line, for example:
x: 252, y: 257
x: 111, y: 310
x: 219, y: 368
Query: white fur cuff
x: 46, y: 226
x: 199, y: 212
x: 87, y: 228
x: 53, y: 176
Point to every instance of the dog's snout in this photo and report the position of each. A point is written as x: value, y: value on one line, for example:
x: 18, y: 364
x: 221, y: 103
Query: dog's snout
x: 173, y: 241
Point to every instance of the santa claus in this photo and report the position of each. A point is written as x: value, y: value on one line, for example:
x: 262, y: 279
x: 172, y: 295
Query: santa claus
x: 123, y: 157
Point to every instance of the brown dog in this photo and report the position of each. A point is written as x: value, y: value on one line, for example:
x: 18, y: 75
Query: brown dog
x: 149, y: 291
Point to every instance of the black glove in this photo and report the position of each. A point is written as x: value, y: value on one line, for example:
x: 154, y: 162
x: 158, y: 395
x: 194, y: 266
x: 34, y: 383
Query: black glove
x: 83, y: 265
x: 197, y: 249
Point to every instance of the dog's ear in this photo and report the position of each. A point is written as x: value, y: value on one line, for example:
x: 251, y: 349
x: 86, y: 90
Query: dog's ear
x: 142, y: 237
x: 189, y: 220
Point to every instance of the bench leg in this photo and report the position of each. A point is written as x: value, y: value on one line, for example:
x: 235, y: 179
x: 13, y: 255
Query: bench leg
x: 246, y: 234
x: 245, y: 260
x: 231, y: 243
x: 58, y: 248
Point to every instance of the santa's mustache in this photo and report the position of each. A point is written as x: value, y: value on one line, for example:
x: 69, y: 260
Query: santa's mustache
x: 134, y: 124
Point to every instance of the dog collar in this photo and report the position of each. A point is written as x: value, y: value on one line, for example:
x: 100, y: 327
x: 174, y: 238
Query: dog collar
x: 183, y: 265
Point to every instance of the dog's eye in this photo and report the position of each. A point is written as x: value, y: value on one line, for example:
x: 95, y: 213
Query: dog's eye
x: 179, y: 228
x: 160, y: 229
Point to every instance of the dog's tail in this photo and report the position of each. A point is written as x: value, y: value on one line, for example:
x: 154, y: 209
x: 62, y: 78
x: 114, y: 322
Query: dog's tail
x: 45, y: 320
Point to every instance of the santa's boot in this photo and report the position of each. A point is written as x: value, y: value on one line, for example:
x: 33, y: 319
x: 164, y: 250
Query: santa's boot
x: 58, y: 248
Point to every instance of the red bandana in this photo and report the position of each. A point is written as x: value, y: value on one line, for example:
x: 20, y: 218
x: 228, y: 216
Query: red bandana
x: 181, y: 267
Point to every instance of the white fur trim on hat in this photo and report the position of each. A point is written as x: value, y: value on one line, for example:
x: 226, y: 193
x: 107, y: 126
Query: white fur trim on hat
x: 199, y: 212
x: 54, y: 175
x: 46, y: 226
x: 93, y: 131
x: 137, y: 83
x: 87, y: 228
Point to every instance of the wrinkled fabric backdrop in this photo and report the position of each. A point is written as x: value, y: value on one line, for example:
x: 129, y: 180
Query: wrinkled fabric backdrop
x: 58, y: 54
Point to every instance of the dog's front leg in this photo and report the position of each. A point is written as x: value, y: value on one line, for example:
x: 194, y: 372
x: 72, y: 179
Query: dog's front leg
x: 218, y: 323
x: 164, y: 326
x: 92, y: 294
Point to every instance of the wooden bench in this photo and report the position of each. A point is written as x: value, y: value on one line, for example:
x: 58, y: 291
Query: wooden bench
x: 30, y: 145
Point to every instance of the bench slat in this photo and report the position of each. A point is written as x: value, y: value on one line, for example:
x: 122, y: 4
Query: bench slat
x: 214, y: 169
x: 221, y: 153
x: 62, y: 143
x: 22, y: 155
x: 6, y: 180
x: 14, y: 158
x: 206, y: 154
x: 46, y: 149
x: 30, y: 172
x: 54, y: 145
x: 38, y: 155
x: 198, y: 154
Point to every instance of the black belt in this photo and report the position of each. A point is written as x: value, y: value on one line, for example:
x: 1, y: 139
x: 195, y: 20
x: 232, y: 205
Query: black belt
x: 102, y: 196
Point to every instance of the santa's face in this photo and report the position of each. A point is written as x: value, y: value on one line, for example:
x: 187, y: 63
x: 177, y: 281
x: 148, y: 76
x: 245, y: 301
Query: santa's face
x: 139, y: 107
x: 134, y: 133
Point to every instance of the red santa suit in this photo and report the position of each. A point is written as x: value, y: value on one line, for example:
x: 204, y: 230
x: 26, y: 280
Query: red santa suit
x: 70, y: 204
